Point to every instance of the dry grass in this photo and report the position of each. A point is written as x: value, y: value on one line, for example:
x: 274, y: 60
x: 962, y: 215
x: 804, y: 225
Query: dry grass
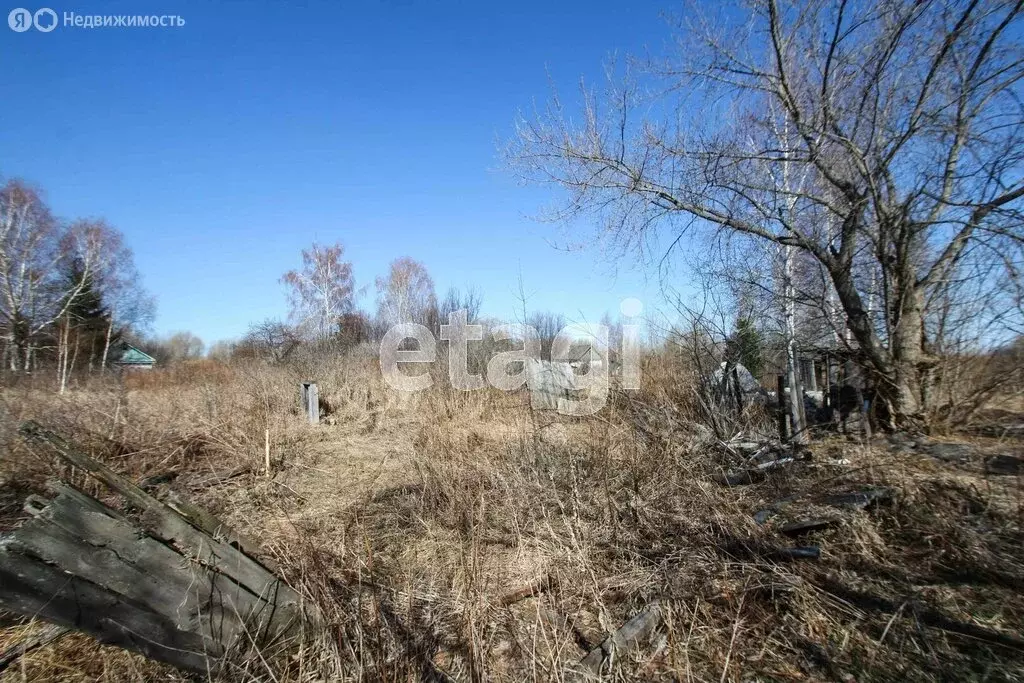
x: 415, y: 524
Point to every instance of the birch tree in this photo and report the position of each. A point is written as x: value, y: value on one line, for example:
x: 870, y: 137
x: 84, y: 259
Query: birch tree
x: 406, y: 295
x: 33, y: 247
x: 129, y: 306
x: 85, y: 319
x: 321, y: 292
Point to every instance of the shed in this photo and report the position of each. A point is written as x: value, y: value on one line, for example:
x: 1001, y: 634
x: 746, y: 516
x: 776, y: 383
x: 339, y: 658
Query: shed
x: 132, y: 358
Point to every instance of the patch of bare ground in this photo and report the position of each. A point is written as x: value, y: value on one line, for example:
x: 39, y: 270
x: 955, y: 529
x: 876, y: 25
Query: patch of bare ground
x: 468, y: 538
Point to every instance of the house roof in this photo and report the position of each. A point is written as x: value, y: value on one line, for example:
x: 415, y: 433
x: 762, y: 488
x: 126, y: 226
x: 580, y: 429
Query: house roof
x: 132, y: 356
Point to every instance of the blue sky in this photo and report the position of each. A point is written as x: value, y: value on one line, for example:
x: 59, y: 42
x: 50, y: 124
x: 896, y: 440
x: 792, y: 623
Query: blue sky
x: 224, y: 147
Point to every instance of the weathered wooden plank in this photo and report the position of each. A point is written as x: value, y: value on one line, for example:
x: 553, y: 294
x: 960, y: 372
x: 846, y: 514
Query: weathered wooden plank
x: 806, y: 526
x: 168, y: 525
x: 627, y: 639
x: 36, y: 589
x: 205, y: 521
x: 112, y: 554
x: 165, y: 580
x: 541, y: 585
x: 41, y: 637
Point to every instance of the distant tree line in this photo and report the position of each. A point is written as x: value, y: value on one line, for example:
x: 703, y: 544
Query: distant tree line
x: 323, y: 312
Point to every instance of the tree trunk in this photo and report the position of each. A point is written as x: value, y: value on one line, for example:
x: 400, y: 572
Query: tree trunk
x: 63, y: 332
x: 904, y: 398
x: 106, y: 343
x: 20, y: 349
x: 894, y: 371
x: 74, y: 353
x: 796, y: 413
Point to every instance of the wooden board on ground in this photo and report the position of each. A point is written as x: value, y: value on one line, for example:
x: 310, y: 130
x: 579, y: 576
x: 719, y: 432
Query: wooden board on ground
x: 173, y: 583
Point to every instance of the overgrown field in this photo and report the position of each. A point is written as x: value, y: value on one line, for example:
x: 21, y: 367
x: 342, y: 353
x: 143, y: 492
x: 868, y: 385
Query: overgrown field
x: 462, y: 536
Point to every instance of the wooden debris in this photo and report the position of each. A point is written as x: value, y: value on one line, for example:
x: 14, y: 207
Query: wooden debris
x: 803, y: 552
x: 772, y: 464
x: 40, y: 637
x: 949, y: 452
x: 754, y: 549
x: 806, y: 526
x: 541, y: 585
x: 740, y: 478
x: 172, y: 582
x: 205, y: 481
x: 1004, y: 464
x: 858, y: 500
x: 925, y: 615
x: 162, y: 520
x: 633, y: 634
x: 751, y: 476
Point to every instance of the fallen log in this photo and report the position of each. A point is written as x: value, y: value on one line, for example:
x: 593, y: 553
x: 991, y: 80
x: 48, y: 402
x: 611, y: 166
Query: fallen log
x: 170, y: 581
x: 541, y: 585
x: 633, y: 634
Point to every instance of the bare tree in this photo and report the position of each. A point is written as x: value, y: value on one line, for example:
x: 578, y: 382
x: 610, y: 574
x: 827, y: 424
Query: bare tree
x: 321, y: 292
x: 901, y: 118
x: 455, y: 299
x: 270, y: 339
x: 184, y: 346
x: 127, y: 302
x: 547, y: 325
x: 84, y: 320
x: 222, y: 350
x: 34, y: 251
x: 406, y: 294
x: 356, y: 328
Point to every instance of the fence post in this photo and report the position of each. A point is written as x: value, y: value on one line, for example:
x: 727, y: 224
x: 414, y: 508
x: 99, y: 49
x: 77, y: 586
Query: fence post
x: 783, y: 413
x: 310, y: 398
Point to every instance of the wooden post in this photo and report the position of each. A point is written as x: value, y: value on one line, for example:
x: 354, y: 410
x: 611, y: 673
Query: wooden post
x: 841, y: 371
x: 737, y: 389
x: 827, y: 396
x: 865, y: 415
x: 781, y: 395
x: 266, y: 452
x: 812, y: 374
x: 310, y: 397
